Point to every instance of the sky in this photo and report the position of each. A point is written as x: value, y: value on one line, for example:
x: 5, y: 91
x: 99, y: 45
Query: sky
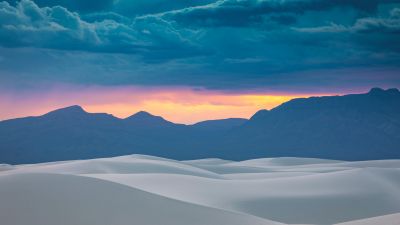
x: 191, y: 60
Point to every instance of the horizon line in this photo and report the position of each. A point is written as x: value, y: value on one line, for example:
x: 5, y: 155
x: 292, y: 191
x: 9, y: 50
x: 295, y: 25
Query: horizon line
x: 85, y: 109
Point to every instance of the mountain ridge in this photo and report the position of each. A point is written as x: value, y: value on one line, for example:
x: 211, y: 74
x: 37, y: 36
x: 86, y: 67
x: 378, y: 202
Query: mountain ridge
x: 349, y: 127
x: 376, y: 91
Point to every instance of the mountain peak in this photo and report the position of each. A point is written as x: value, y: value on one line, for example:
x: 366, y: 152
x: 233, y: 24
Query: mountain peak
x: 74, y: 111
x: 380, y: 91
x: 75, y: 108
x: 147, y: 119
x: 393, y: 91
x: 142, y: 115
x: 70, y: 110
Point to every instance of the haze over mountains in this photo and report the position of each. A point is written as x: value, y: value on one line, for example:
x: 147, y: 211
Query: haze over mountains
x: 350, y: 127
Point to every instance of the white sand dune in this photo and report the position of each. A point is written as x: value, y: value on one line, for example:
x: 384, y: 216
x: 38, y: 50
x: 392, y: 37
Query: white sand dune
x: 210, y: 161
x: 284, y: 161
x: 315, y: 199
x: 41, y: 199
x: 287, y: 190
x: 391, y: 219
x: 119, y: 165
x: 4, y: 167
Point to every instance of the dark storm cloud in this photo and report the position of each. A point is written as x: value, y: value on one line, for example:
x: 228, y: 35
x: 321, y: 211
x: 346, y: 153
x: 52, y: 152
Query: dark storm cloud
x: 224, y: 44
x: 28, y: 25
x: 129, y: 8
x: 242, y: 13
x: 74, y: 5
x: 384, y: 25
x: 381, y: 34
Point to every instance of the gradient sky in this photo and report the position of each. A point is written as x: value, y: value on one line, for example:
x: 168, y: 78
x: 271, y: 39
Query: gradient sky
x: 191, y: 60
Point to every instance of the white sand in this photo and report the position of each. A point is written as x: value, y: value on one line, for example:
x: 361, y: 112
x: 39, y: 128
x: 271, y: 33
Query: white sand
x: 152, y: 190
x: 392, y: 219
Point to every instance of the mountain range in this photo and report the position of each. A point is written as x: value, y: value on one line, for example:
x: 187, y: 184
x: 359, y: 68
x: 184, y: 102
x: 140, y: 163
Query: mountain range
x: 349, y: 127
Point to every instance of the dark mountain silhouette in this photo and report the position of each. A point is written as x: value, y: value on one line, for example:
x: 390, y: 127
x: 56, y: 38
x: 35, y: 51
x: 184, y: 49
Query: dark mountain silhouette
x: 147, y: 120
x: 222, y: 124
x: 72, y: 133
x: 350, y: 127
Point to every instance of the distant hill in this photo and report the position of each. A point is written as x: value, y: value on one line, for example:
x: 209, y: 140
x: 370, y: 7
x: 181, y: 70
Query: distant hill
x: 349, y: 127
x: 72, y: 133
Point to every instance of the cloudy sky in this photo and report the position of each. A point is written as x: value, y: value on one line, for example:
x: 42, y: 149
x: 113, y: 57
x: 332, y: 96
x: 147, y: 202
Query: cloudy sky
x: 189, y: 60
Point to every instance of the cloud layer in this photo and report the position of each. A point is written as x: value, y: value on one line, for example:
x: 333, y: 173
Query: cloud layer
x: 225, y: 44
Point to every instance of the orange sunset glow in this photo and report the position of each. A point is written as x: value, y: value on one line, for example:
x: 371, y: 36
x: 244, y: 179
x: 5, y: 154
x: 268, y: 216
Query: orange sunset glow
x: 200, y: 108
x: 179, y: 105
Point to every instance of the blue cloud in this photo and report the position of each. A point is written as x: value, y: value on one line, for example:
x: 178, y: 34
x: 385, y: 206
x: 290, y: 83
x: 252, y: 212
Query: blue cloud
x: 131, y: 8
x: 127, y: 8
x: 378, y: 34
x: 216, y: 44
x: 243, y: 13
x: 74, y: 5
x: 58, y: 28
x: 385, y: 25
